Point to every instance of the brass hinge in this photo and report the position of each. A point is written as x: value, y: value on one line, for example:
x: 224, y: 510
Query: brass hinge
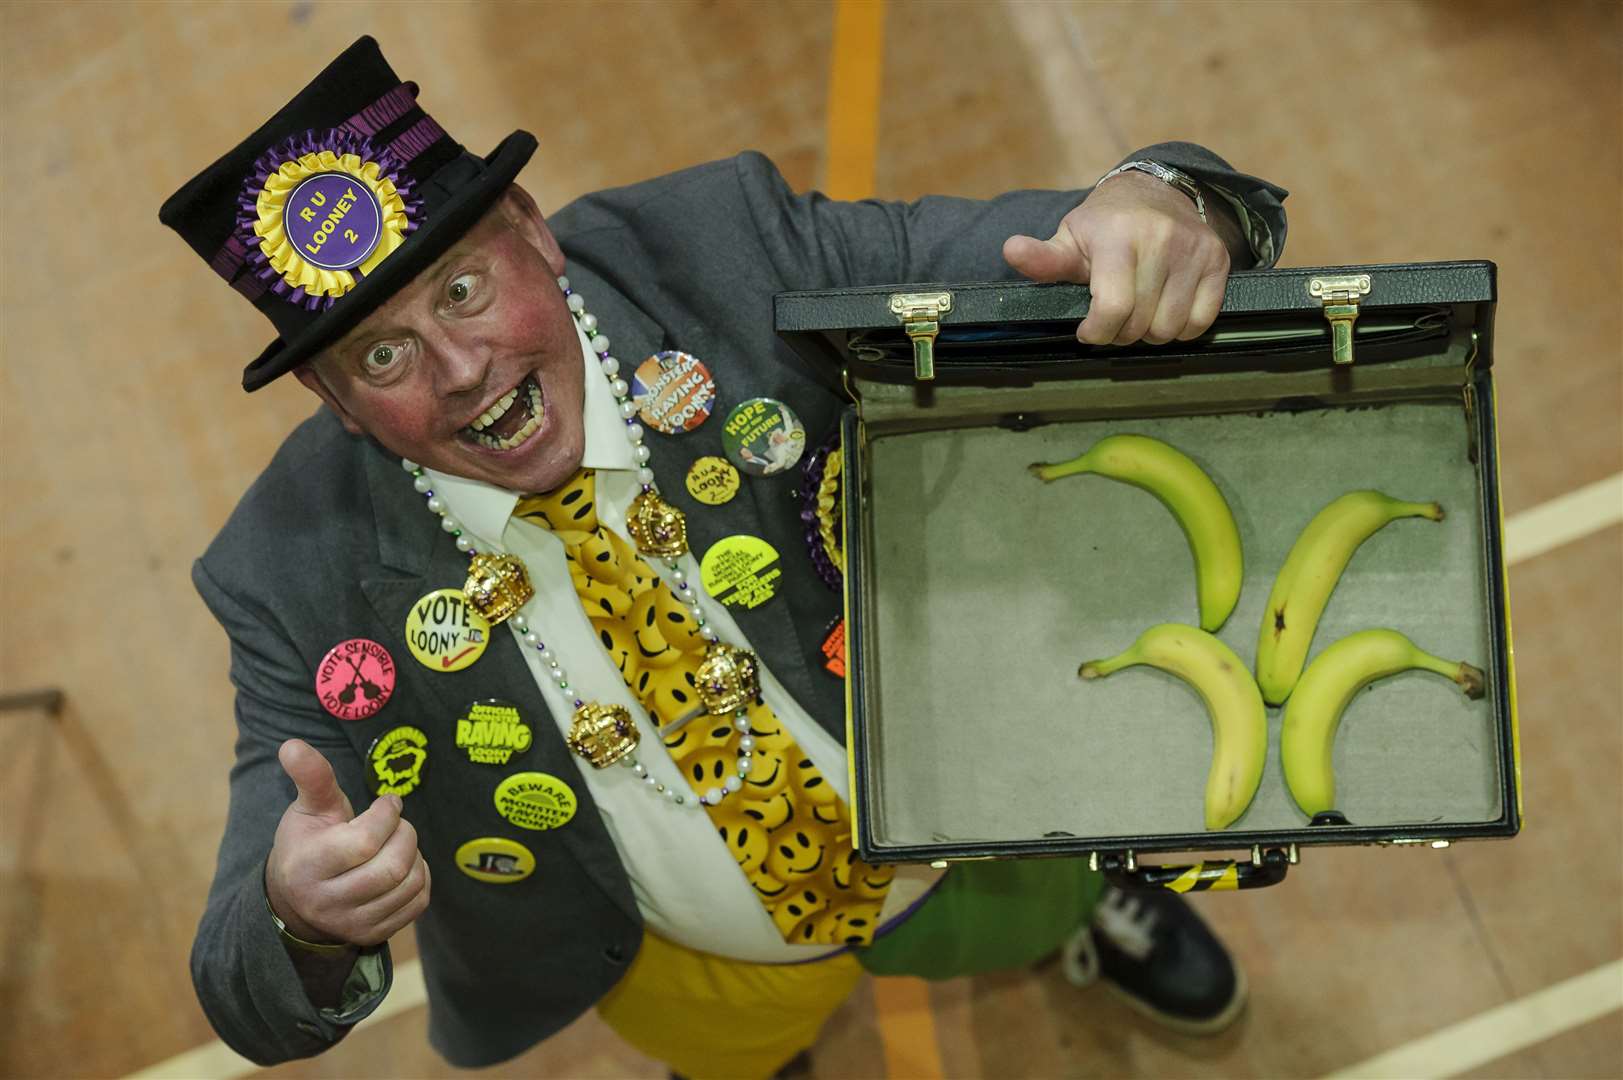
x: 1340, y: 298
x: 920, y: 314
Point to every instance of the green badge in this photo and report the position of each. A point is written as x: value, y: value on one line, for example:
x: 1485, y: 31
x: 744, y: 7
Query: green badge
x: 763, y: 437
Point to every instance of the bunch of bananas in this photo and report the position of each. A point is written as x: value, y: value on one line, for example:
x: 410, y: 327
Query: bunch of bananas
x: 1235, y: 700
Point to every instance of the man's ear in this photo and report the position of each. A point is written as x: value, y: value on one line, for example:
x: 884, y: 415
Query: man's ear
x: 311, y: 378
x: 525, y: 217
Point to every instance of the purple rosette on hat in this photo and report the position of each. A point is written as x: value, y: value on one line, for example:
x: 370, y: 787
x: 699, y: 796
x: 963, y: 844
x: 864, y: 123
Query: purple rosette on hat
x: 319, y: 211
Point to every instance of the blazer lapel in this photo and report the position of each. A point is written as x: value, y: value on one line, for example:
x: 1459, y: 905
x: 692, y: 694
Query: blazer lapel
x: 423, y: 558
x: 758, y: 510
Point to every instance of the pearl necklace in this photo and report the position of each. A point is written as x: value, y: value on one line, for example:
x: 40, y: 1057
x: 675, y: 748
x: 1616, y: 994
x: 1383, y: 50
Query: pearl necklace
x: 676, y: 576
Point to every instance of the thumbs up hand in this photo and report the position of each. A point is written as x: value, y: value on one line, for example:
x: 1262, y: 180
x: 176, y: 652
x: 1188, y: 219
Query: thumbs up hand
x: 333, y: 876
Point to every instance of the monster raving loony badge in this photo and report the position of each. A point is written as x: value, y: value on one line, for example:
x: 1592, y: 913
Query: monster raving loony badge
x: 395, y: 760
x: 355, y: 679
x: 444, y: 632
x: 741, y: 571
x: 492, y: 732
x: 535, y: 800
x: 673, y: 392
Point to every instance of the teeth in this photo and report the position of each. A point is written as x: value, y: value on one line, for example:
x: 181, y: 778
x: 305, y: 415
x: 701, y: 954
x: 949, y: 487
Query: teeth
x: 496, y: 411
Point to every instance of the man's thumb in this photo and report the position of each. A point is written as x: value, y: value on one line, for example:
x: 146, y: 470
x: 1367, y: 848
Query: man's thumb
x: 319, y: 793
x: 1055, y: 259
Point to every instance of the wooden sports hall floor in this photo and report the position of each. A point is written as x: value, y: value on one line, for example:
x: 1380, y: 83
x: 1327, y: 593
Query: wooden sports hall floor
x: 1407, y: 131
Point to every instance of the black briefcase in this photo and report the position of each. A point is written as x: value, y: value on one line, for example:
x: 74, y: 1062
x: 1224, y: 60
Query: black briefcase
x: 974, y: 590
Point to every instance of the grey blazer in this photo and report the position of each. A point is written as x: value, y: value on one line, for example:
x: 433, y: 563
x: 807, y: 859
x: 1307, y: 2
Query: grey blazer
x: 331, y: 543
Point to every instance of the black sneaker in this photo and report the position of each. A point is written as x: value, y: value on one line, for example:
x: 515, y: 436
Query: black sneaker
x: 1151, y: 948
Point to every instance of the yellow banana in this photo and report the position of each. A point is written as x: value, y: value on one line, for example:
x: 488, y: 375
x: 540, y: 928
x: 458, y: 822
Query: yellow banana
x: 1183, y: 488
x: 1309, y: 576
x: 1327, y: 686
x: 1239, y: 720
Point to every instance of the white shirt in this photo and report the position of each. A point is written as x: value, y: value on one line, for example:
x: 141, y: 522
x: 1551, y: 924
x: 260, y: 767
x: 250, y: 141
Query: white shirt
x: 688, y: 886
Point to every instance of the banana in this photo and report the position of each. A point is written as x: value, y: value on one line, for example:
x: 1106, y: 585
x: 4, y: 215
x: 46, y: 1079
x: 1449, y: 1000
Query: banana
x: 1185, y: 489
x: 1239, y: 721
x: 1328, y: 685
x: 1309, y: 576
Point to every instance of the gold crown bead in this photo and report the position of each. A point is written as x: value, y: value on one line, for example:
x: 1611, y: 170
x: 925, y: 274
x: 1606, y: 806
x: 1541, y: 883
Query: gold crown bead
x: 602, y: 734
x: 497, y: 586
x: 729, y: 678
x: 657, y: 527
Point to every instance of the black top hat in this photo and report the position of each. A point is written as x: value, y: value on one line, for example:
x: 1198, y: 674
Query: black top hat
x: 336, y: 203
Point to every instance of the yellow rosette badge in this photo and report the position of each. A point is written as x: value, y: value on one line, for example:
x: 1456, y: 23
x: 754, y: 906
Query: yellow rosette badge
x: 326, y: 215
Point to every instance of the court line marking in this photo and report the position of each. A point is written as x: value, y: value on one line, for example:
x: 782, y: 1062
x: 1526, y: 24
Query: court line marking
x: 218, y: 1061
x: 906, y: 1025
x: 1564, y: 518
x: 853, y: 98
x: 1501, y: 1031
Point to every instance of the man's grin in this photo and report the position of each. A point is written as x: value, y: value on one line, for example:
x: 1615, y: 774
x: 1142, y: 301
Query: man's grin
x: 510, y: 420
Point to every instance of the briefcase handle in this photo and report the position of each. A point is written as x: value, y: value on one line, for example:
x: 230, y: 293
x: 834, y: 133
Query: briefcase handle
x: 1264, y: 868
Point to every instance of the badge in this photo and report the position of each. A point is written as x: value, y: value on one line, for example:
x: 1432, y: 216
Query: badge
x: 834, y: 650
x: 673, y: 392
x: 444, y: 632
x: 763, y: 437
x: 394, y: 761
x: 320, y: 211
x: 712, y: 480
x: 492, y: 732
x: 535, y: 800
x: 355, y: 678
x: 495, y: 859
x: 741, y: 571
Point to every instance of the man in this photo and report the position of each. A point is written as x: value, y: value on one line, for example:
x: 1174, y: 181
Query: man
x: 478, y: 461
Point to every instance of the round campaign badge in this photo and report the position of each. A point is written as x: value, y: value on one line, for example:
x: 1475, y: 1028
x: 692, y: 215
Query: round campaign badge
x: 355, y: 678
x: 763, y: 437
x: 495, y: 859
x: 741, y: 571
x: 491, y: 732
x: 395, y: 760
x: 333, y: 220
x: 712, y: 480
x: 444, y: 632
x: 535, y: 800
x: 673, y: 392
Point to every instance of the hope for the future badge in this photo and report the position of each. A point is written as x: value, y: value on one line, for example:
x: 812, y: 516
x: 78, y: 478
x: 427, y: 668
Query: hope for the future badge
x: 763, y: 437
x: 444, y: 632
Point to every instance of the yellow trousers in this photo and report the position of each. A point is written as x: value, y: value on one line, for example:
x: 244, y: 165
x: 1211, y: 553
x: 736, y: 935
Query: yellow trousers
x: 710, y: 1018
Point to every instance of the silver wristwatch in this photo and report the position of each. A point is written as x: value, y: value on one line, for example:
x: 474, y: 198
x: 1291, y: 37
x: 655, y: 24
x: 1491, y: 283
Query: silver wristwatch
x: 1167, y: 175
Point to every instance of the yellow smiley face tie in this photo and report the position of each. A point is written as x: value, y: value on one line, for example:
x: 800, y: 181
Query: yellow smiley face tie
x: 786, y: 826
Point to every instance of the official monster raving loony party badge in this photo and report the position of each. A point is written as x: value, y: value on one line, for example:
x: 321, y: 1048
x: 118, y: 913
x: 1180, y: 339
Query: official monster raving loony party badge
x: 492, y: 732
x: 321, y: 210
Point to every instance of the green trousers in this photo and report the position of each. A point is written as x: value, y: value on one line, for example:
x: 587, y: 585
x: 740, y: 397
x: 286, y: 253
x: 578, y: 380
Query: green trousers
x: 989, y: 916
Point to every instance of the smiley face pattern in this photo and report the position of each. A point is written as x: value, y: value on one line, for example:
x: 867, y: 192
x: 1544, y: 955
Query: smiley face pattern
x: 787, y: 828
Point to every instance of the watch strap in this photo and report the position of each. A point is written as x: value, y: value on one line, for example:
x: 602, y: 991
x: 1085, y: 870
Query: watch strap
x: 289, y: 938
x: 1167, y: 175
